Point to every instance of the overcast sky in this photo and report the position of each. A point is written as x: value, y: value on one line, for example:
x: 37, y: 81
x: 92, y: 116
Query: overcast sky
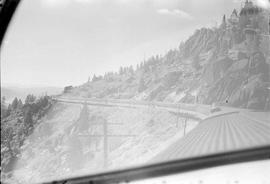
x: 62, y: 42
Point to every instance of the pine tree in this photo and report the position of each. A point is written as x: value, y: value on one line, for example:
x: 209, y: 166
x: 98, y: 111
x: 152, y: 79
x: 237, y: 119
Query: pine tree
x: 131, y: 70
x: 20, y: 104
x: 3, y: 107
x: 28, y: 119
x: 8, y: 112
x: 94, y: 78
x: 30, y: 99
x: 15, y: 103
x: 121, y: 70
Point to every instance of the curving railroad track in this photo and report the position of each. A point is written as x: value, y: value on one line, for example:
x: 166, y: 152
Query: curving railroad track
x: 230, y: 129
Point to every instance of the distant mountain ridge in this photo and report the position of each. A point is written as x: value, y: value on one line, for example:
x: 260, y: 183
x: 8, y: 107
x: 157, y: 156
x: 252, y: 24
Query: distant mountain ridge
x: 10, y: 92
x: 227, y: 65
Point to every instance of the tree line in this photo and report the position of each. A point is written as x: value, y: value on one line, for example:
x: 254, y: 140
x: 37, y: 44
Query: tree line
x: 18, y: 121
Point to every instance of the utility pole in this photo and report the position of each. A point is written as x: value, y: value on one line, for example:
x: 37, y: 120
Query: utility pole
x: 105, y: 137
x: 249, y: 61
x: 185, y: 124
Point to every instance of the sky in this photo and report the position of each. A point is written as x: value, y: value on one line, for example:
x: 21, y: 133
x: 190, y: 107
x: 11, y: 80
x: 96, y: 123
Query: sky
x: 63, y: 42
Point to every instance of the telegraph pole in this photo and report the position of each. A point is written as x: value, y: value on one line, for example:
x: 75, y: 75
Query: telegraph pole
x: 104, y: 135
x: 185, y: 124
x: 105, y: 143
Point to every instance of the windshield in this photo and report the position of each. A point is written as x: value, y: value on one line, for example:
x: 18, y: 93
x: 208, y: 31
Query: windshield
x: 90, y: 86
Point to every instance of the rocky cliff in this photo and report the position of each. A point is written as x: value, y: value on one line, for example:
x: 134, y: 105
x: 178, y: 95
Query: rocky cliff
x: 228, y: 65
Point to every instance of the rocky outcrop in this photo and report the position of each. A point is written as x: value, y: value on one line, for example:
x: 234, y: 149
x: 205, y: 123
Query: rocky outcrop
x: 228, y: 64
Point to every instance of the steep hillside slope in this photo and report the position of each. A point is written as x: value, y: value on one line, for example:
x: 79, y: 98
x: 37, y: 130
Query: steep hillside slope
x: 18, y: 122
x: 63, y: 145
x: 228, y: 65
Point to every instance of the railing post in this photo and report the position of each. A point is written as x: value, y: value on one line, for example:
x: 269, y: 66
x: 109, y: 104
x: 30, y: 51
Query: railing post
x: 105, y: 147
x: 178, y: 114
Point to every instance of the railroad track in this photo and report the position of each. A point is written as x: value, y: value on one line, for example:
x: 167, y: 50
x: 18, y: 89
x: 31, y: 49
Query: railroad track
x: 230, y: 129
x: 190, y: 110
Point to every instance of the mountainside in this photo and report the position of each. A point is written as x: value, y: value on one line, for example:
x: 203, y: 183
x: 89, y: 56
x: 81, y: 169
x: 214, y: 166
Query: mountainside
x: 227, y: 65
x: 18, y: 121
x: 62, y: 144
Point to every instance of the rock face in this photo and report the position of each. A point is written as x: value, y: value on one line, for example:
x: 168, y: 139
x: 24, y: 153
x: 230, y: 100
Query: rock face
x: 228, y: 64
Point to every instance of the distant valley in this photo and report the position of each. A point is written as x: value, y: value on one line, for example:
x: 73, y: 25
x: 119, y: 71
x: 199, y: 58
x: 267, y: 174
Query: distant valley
x: 10, y: 91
